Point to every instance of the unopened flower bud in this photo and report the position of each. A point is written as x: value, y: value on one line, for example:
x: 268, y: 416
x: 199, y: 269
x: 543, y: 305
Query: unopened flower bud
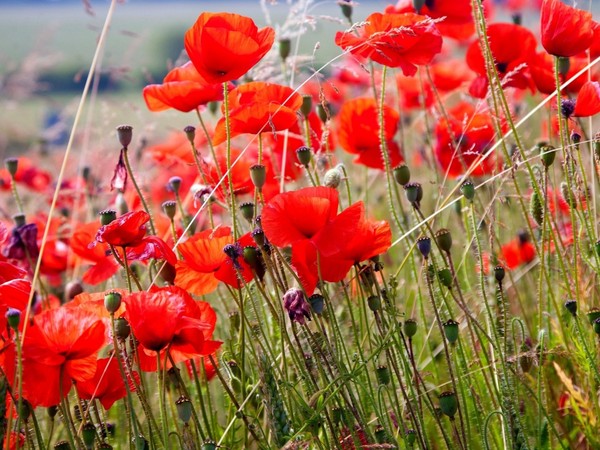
x: 296, y: 305
x: 346, y: 7
x: 383, y: 375
x: 72, y: 289
x: 125, y: 134
x: 121, y: 204
x: 374, y: 303
x: 324, y: 111
x: 567, y: 107
x: 575, y: 137
x: 445, y: 277
x: 548, y: 155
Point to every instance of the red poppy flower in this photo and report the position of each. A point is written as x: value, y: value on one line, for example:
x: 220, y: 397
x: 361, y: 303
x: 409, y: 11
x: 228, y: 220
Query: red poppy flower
x: 542, y: 72
x: 183, y: 89
x: 106, y: 385
x: 448, y: 76
x: 14, y: 294
x: 566, y: 31
x: 94, y: 302
x: 371, y: 239
x: 588, y: 100
x: 310, y: 214
x: 60, y: 346
x: 595, y: 47
x: 518, y: 251
x: 126, y: 230
x: 258, y: 107
x: 358, y: 132
x: 104, y: 265
x: 224, y: 46
x: 463, y: 139
x: 169, y: 319
x: 511, y: 60
x: 394, y: 40
x: 205, y: 261
x: 413, y: 93
x: 457, y: 15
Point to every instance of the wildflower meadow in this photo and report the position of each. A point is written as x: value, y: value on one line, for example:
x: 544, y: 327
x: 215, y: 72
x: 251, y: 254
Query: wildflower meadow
x: 395, y: 248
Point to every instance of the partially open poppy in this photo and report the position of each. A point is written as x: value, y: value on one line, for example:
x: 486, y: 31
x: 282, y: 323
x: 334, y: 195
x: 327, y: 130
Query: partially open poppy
x: 224, y: 46
x: 126, y: 230
x: 258, y: 107
x: 358, y: 132
x: 463, y: 139
x: 566, y: 31
x: 588, y: 100
x: 511, y: 60
x: 104, y: 265
x: 182, y: 89
x: 394, y: 40
x: 542, y: 72
x: 106, y: 385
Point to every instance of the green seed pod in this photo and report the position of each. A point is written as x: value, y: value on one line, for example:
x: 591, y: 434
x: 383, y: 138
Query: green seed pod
x: 571, y: 306
x: 468, y: 190
x: 317, y: 303
x: 184, y: 409
x: 307, y: 105
x: 250, y: 254
x: 88, y: 433
x: 12, y: 165
x: 13, y: 318
x: 381, y: 435
x: 304, y: 155
x: 124, y: 134
x: 410, y: 327
x: 402, y: 174
x: 448, y: 403
x: 258, y: 175
x: 445, y: 277
x: 374, y: 303
x: 122, y: 328
x: 414, y: 193
x: 190, y: 133
x: 112, y: 301
x: 285, y: 47
x: 324, y: 111
x: 107, y: 216
x: 383, y: 375
x: 247, y: 210
x: 444, y: 239
x: 209, y: 445
x: 451, y: 331
x: 536, y: 208
x: 568, y: 195
x: 593, y: 314
x: 547, y: 155
x: 62, y: 445
x: 499, y: 273
x: 170, y: 208
x: 410, y: 437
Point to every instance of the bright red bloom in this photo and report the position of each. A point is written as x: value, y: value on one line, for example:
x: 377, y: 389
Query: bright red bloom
x: 60, y: 346
x: 518, y: 251
x: 414, y: 93
x: 371, y: 239
x: 104, y: 265
x: 542, y: 72
x: 588, y: 100
x: 566, y: 31
x: 126, y: 230
x: 463, y: 139
x: 106, y: 385
x: 310, y: 214
x: 457, y: 15
x: 595, y: 47
x: 183, y: 89
x: 205, y: 262
x: 224, y: 46
x: 258, y: 107
x: 169, y: 319
x: 395, y: 40
x: 511, y: 60
x: 448, y: 76
x: 358, y: 132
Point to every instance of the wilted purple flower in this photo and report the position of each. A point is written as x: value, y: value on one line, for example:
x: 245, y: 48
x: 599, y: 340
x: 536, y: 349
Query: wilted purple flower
x: 23, y: 243
x: 119, y: 179
x: 296, y: 305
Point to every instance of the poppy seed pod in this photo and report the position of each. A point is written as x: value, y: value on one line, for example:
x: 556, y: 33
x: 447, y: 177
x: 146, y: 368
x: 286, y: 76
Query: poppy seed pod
x: 247, y: 210
x: 258, y: 175
x: 88, y: 433
x: 184, y: 408
x: 374, y: 303
x: 445, y: 277
x: 499, y: 273
x: 122, y: 328
x: 250, y: 255
x: 209, y: 445
x: 468, y: 190
x: 414, y: 193
x: 170, y: 208
x: 62, y: 445
x: 324, y: 111
x: 19, y: 220
x: 346, y: 7
x: 12, y: 165
x: 593, y: 314
x: 597, y: 326
x: 285, y: 47
x: 112, y: 302
x: 259, y: 236
x: 451, y: 330
x: 547, y: 154
x: 448, y: 403
x: 13, y: 318
x: 402, y: 174
x: 411, y: 437
x: 175, y: 184
x: 304, y: 156
x: 418, y: 4
x: 381, y: 435
x: 424, y: 246
x: 571, y: 306
x: 306, y: 107
x: 575, y: 137
x: 125, y: 134
x: 190, y: 133
x: 444, y: 239
x: 410, y: 327
x: 317, y: 303
x: 107, y: 216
